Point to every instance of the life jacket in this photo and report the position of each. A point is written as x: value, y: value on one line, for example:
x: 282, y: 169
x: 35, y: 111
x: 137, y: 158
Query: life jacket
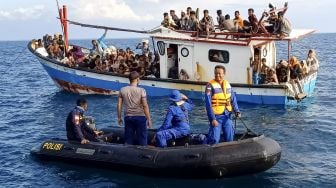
x: 221, y: 98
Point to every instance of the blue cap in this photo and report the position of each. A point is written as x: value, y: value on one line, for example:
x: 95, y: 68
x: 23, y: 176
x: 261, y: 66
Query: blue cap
x: 175, y: 96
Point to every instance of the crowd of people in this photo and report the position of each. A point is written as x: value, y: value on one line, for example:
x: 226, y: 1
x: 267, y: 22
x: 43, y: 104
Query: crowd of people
x: 220, y: 102
x: 272, y: 22
x: 295, y: 69
x: 102, y: 58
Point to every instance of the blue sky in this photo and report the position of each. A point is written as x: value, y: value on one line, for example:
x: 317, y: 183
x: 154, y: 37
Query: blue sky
x: 28, y: 19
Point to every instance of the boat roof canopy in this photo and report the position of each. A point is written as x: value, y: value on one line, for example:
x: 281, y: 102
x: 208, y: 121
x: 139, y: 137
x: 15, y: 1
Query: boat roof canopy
x: 294, y: 35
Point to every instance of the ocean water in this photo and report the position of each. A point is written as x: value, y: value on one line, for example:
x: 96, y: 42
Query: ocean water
x: 32, y: 109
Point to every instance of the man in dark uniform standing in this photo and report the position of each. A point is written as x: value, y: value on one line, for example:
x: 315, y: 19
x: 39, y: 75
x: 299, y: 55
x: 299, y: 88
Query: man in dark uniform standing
x: 76, y: 128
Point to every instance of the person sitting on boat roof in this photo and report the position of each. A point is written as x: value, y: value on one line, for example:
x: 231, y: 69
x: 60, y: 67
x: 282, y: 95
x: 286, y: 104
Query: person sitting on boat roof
x: 220, y: 102
x: 206, y: 23
x: 255, y: 26
x: 176, y: 123
x: 283, y: 27
x: 238, y: 21
x: 220, y: 19
x: 76, y: 128
x: 271, y: 19
x: 144, y: 46
x: 136, y: 111
x: 228, y: 24
x: 98, y: 46
x: 184, y: 21
x: 168, y: 22
x: 193, y: 23
x: 175, y: 18
x: 189, y: 9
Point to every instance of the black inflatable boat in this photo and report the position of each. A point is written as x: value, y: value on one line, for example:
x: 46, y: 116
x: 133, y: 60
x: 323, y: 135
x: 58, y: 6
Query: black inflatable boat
x: 249, y: 153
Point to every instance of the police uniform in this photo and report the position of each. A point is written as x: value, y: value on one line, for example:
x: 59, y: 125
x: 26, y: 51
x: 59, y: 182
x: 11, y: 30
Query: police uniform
x: 176, y: 123
x: 76, y: 128
x: 220, y: 101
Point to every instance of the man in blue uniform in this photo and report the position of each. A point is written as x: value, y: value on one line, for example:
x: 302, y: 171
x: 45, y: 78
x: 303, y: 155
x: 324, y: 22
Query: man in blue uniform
x: 176, y: 123
x: 76, y: 128
x: 220, y: 102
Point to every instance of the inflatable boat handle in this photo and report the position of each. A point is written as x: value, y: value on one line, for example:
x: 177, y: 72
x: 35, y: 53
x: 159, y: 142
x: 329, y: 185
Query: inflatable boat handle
x: 192, y: 156
x: 68, y: 148
x: 146, y: 156
x: 105, y: 152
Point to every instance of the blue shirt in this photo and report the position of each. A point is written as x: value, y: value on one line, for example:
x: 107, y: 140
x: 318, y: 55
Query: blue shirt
x: 177, y: 115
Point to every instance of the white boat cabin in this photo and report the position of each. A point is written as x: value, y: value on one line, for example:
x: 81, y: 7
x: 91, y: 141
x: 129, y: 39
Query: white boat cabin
x: 199, y: 55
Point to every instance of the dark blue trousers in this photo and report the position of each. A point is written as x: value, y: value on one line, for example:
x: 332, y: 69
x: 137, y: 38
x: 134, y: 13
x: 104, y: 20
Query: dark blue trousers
x: 225, y: 125
x: 136, y: 130
x: 172, y: 133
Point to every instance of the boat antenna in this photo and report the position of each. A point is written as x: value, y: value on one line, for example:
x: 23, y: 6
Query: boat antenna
x: 58, y: 10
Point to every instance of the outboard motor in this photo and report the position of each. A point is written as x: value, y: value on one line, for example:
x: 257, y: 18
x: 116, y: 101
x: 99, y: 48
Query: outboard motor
x: 90, y: 122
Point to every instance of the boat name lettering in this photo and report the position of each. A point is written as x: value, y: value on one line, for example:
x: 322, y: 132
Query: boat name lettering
x: 52, y: 146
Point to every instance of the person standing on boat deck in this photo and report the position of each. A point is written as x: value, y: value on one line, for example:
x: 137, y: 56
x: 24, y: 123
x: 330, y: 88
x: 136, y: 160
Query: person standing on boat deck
x: 136, y: 113
x: 312, y: 62
x: 144, y: 46
x: 176, y: 123
x: 76, y: 128
x: 256, y: 69
x: 98, y: 46
x: 220, y: 102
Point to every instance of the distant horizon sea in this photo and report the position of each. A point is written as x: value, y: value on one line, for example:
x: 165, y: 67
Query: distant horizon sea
x: 33, y: 109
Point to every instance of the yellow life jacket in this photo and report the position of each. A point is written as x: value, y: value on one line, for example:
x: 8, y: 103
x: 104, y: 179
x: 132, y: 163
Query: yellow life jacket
x: 221, y: 97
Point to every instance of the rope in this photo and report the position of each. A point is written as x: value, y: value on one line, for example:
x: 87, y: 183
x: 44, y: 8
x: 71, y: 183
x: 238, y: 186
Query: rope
x: 248, y: 130
x: 105, y: 27
x: 17, y: 57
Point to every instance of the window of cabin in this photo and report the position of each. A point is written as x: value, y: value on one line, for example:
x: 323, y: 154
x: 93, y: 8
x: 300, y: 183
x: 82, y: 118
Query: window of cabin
x: 219, y: 56
x: 161, y: 47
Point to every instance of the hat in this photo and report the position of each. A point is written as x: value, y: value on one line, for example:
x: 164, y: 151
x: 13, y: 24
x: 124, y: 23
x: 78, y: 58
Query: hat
x: 145, y: 41
x: 175, y: 96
